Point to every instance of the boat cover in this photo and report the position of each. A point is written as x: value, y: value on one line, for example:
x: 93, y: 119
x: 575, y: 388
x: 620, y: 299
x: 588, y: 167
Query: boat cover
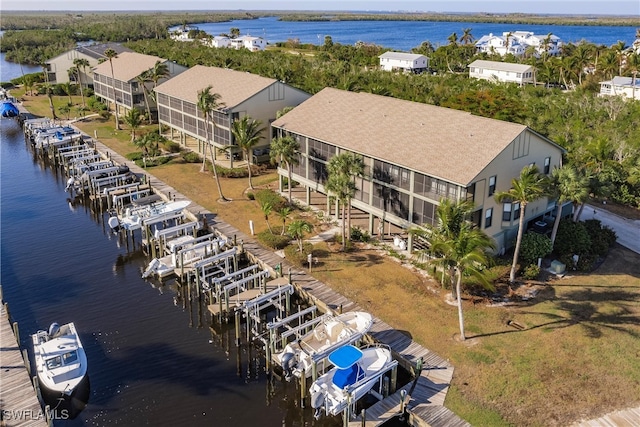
x: 7, y: 109
x: 345, y: 377
x: 345, y: 357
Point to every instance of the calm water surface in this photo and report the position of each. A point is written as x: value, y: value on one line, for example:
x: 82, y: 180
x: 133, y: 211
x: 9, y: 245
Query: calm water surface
x: 152, y: 359
x: 405, y: 35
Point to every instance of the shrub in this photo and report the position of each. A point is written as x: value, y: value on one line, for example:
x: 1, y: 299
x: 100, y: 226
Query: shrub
x: 297, y: 258
x: 153, y: 161
x: 534, y: 246
x: 134, y: 156
x: 269, y: 196
x: 171, y: 146
x: 274, y: 241
x: 572, y: 238
x: 531, y: 272
x: 602, y: 237
x: 191, y: 157
x: 359, y: 235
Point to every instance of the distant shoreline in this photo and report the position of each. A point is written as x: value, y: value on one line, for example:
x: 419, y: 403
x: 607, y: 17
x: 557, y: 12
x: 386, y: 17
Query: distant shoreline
x: 202, y: 16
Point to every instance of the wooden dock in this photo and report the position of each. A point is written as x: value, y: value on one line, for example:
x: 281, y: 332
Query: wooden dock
x: 427, y: 396
x: 19, y: 405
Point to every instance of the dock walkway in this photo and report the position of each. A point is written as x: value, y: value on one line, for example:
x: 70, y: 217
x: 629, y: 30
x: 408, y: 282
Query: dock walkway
x: 19, y: 405
x: 428, y: 394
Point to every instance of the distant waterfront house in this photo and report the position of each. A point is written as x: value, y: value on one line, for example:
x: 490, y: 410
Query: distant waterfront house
x: 621, y: 86
x: 182, y: 33
x: 407, y: 62
x: 416, y: 154
x: 127, y: 66
x: 502, y: 71
x: 217, y: 41
x: 240, y: 93
x: 58, y: 67
x: 254, y: 44
x: 518, y: 43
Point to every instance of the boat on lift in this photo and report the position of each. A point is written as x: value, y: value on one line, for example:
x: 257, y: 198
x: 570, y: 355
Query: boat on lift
x: 7, y: 109
x: 133, y: 217
x: 332, y: 332
x: 355, y: 373
x: 60, y: 359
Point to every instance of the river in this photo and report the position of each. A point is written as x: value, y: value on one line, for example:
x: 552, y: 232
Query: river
x: 152, y: 359
x: 404, y: 35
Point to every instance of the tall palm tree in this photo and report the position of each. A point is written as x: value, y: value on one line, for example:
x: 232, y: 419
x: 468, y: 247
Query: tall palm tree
x: 159, y: 71
x: 266, y: 207
x: 633, y: 67
x: 284, y: 213
x: 110, y: 54
x: 528, y: 187
x: 619, y: 49
x: 207, y: 102
x: 453, y: 39
x: 247, y: 132
x: 342, y: 187
x: 133, y: 119
x: 142, y: 80
x: 566, y: 185
x: 285, y: 149
x: 351, y: 166
x: 466, y: 252
x: 49, y: 91
x: 81, y: 64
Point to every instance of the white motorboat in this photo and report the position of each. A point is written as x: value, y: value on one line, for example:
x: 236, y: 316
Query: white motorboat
x: 329, y: 334
x: 133, y: 218
x: 60, y: 359
x: 355, y: 373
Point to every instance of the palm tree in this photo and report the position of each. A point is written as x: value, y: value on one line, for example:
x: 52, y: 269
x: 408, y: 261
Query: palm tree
x: 159, y: 71
x: 247, y: 132
x: 342, y: 187
x: 133, y: 119
x: 619, y: 49
x: 467, y: 37
x: 297, y: 230
x: 284, y: 213
x: 633, y: 67
x: 466, y: 252
x: 528, y: 187
x: 207, y: 102
x: 142, y: 79
x: 566, y: 185
x: 453, y: 39
x: 110, y: 54
x: 49, y: 91
x: 81, y: 64
x: 266, y: 207
x: 285, y: 149
x: 67, y: 88
x: 350, y: 166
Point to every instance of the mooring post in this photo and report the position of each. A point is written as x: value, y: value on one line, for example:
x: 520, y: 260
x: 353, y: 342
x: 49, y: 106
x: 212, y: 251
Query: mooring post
x: 394, y: 379
x: 237, y: 315
x: 403, y: 396
x: 363, y: 417
x: 385, y: 387
x: 303, y: 389
x: 16, y: 331
x: 289, y: 275
x: 287, y: 306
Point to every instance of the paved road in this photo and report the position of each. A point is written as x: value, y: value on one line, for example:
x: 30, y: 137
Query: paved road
x: 628, y: 230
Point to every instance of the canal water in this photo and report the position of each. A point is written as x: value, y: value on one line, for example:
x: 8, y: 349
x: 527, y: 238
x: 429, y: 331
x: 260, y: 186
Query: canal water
x: 153, y: 359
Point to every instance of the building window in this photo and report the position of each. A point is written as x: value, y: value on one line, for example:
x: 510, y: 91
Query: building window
x: 492, y: 185
x: 547, y: 165
x: 488, y: 216
x: 506, y: 212
x: 516, y: 211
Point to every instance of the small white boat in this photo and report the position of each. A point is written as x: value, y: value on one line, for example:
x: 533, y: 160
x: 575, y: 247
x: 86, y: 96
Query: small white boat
x: 133, y: 217
x: 331, y: 333
x: 60, y: 359
x: 354, y: 374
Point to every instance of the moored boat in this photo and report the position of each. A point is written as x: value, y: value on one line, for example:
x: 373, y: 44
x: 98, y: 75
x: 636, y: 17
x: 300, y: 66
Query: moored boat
x: 133, y: 217
x: 332, y: 332
x: 7, y: 109
x: 355, y: 373
x: 60, y: 359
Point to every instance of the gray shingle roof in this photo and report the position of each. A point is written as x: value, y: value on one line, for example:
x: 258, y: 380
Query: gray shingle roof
x: 233, y: 86
x: 402, y: 56
x: 96, y: 51
x: 500, y: 66
x: 128, y: 65
x: 445, y: 143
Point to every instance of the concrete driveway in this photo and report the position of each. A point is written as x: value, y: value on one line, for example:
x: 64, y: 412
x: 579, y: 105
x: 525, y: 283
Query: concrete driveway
x: 628, y: 230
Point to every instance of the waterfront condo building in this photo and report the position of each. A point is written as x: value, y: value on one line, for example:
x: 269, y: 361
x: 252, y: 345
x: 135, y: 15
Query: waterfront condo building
x: 128, y: 67
x: 415, y: 155
x: 241, y: 94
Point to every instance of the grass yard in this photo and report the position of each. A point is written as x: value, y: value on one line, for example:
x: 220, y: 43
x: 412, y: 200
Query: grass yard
x: 576, y: 356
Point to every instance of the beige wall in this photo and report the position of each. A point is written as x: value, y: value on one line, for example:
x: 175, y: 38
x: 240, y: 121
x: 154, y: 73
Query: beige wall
x: 61, y: 64
x: 527, y: 148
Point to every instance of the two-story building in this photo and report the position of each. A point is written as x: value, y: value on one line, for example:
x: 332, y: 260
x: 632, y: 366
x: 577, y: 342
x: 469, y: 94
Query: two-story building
x: 415, y: 155
x: 518, y: 42
x: 58, y: 67
x: 129, y: 92
x: 251, y: 43
x: 502, y: 71
x: 406, y: 62
x: 627, y: 87
x: 241, y: 94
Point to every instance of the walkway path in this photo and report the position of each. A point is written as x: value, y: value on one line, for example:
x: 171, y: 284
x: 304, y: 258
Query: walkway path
x: 624, y: 418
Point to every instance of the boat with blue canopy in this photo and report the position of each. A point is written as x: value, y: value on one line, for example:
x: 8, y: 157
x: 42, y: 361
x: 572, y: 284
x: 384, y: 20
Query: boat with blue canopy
x: 7, y: 109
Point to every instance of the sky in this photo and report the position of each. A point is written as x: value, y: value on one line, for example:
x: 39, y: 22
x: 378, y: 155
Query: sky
x: 601, y: 7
